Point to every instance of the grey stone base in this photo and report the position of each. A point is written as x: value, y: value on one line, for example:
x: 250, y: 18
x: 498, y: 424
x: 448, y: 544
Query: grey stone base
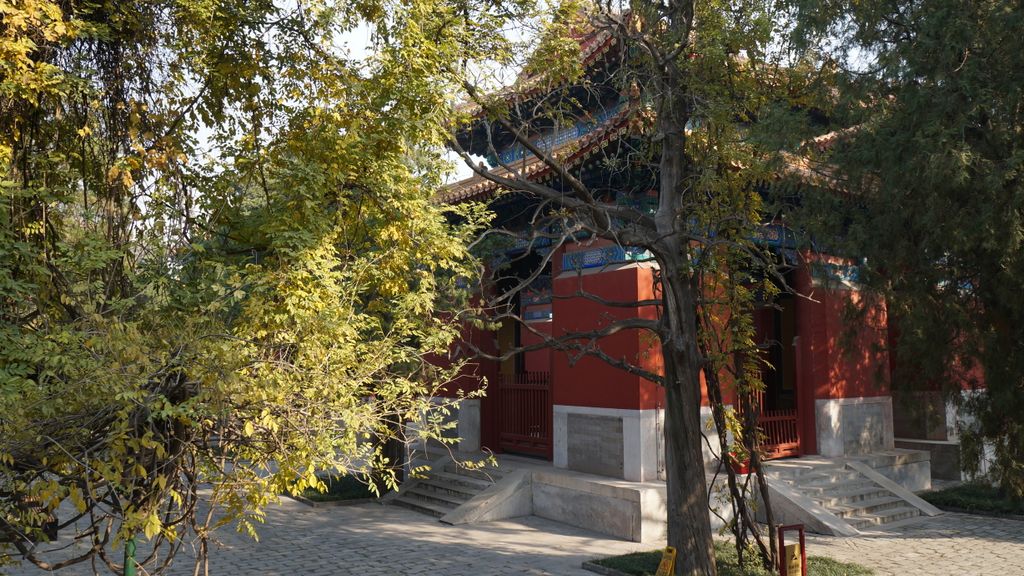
x: 463, y: 419
x: 911, y: 469
x: 711, y: 448
x: 945, y: 456
x: 850, y: 426
x: 614, y: 442
x: 636, y: 511
x: 468, y: 427
x: 633, y: 511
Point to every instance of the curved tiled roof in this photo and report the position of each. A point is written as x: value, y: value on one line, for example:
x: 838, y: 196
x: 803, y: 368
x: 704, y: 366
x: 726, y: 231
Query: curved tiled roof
x: 532, y: 168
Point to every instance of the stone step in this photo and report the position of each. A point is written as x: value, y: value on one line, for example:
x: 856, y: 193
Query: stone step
x: 893, y: 457
x: 424, y: 506
x: 894, y: 525
x: 444, y: 486
x: 488, y: 474
x: 832, y: 475
x: 868, y: 507
x: 440, y: 496
x: 831, y: 488
x: 462, y: 480
x: 850, y: 495
x: 883, y: 517
x: 786, y: 471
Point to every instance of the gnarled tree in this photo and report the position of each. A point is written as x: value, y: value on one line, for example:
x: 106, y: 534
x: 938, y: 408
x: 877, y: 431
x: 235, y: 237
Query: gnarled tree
x: 668, y: 170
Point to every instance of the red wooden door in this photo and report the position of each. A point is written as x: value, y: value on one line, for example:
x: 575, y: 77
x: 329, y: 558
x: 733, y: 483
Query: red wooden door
x: 524, y: 413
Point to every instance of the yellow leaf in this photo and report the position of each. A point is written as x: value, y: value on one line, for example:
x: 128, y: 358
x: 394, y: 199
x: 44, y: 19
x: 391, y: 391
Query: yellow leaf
x: 152, y: 526
x: 76, y: 498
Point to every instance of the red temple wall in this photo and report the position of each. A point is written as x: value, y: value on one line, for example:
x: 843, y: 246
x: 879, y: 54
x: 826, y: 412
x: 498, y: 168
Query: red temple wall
x: 825, y: 369
x: 837, y: 360
x: 589, y: 381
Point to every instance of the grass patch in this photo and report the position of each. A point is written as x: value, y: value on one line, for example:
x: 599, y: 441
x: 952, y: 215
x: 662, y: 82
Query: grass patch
x: 975, y: 497
x: 339, y: 488
x: 646, y: 564
x: 822, y: 566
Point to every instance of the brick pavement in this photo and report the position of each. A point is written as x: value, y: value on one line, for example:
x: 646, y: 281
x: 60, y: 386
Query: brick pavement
x: 374, y: 540
x: 950, y: 544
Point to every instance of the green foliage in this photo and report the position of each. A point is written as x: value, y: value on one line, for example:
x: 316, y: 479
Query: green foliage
x: 935, y: 195
x: 336, y: 488
x: 220, y: 261
x: 975, y: 497
x: 556, y: 57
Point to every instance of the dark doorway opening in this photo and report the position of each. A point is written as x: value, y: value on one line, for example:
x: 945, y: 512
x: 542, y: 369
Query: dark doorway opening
x: 776, y: 336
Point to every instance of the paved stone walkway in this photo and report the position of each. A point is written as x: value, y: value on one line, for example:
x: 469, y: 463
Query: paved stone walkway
x: 950, y: 544
x: 372, y: 540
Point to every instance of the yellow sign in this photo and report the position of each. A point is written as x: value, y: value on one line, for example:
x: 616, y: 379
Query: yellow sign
x: 791, y: 560
x: 668, y: 562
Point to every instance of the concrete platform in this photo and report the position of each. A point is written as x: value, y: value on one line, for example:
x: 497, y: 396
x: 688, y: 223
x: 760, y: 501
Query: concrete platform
x: 634, y: 511
x: 833, y: 496
x: 946, y: 461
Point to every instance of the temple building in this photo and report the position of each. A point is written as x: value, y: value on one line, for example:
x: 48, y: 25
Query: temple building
x: 827, y: 398
x: 586, y: 415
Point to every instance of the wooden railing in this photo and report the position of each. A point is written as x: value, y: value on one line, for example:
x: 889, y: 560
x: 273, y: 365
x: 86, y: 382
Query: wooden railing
x: 781, y: 433
x: 780, y: 430
x: 524, y: 413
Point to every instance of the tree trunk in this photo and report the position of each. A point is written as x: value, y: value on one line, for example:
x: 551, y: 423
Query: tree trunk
x: 689, y: 522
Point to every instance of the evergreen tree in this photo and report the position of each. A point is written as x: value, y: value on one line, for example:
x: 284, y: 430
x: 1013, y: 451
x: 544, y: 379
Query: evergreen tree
x: 931, y: 195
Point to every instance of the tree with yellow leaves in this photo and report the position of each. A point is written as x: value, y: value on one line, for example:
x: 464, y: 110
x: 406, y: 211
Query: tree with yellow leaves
x: 219, y: 260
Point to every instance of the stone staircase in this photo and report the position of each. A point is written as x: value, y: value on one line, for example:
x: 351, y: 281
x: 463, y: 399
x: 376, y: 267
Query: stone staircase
x: 859, y: 501
x: 446, y: 489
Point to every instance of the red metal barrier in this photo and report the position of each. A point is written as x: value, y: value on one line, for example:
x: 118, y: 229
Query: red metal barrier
x: 524, y: 413
x: 785, y: 568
